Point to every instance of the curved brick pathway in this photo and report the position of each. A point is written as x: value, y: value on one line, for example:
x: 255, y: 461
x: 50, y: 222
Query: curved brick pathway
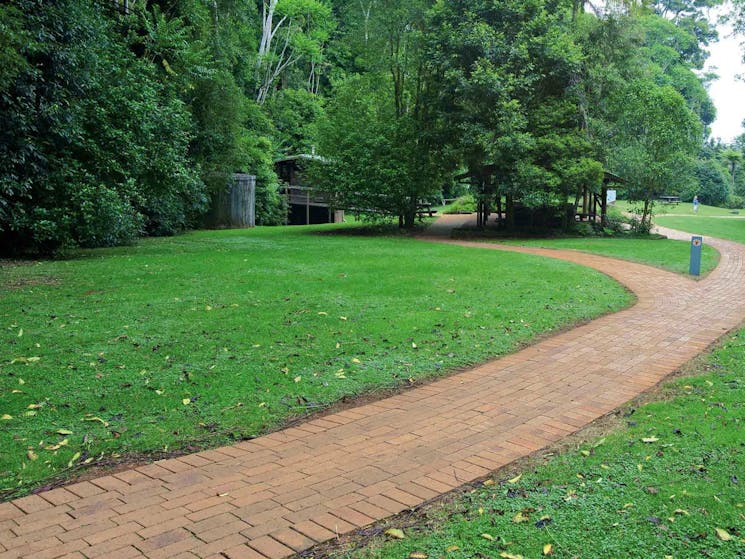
x: 279, y: 494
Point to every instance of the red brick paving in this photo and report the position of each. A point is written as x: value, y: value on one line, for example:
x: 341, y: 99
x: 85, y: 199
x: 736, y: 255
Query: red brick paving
x: 273, y: 496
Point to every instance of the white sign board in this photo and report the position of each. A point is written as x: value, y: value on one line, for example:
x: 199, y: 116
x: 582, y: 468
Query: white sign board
x: 611, y: 197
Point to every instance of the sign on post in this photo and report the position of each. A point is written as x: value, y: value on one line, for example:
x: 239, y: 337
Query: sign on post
x: 695, y: 267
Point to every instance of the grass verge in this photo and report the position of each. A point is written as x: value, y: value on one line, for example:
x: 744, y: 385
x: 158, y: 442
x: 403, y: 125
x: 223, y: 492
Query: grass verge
x: 195, y: 341
x: 661, y: 253
x: 668, y: 483
x: 733, y: 229
x: 683, y: 208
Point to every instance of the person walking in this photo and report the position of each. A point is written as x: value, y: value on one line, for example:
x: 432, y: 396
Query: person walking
x: 695, y: 204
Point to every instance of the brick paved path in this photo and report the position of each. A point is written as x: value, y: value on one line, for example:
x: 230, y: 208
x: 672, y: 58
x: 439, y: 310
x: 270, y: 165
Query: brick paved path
x: 280, y: 494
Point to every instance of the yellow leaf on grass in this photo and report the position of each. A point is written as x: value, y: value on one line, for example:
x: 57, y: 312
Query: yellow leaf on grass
x: 515, y: 479
x: 64, y: 432
x: 722, y: 534
x: 452, y: 548
x: 681, y: 511
x: 95, y: 418
x: 413, y: 345
x: 21, y: 381
x: 519, y: 517
x: 418, y: 555
x: 186, y: 401
x: 548, y: 549
x: 395, y: 533
x: 481, y: 511
x: 322, y: 313
x: 355, y: 360
x: 650, y: 439
x: 298, y: 379
x: 34, y: 406
x: 73, y: 459
x: 506, y: 555
x: 488, y: 537
x: 6, y: 417
x: 20, y: 333
x: 32, y: 455
x: 488, y: 482
x: 342, y: 318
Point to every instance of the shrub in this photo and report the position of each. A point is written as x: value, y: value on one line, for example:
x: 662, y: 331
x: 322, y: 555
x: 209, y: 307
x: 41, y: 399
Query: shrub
x: 463, y: 204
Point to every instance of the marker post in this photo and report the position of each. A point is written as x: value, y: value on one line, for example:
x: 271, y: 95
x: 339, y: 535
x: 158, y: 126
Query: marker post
x: 695, y: 266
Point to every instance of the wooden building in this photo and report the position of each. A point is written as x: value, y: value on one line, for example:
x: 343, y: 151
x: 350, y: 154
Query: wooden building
x: 306, y: 205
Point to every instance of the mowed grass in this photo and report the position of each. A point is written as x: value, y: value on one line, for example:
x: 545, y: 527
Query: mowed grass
x: 661, y: 253
x: 668, y: 482
x: 195, y: 341
x: 720, y: 227
x: 682, y: 208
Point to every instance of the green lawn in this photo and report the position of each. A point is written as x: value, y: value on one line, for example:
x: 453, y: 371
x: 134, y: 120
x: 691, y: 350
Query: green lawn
x: 669, y: 483
x: 198, y: 340
x: 683, y: 208
x: 723, y: 228
x: 662, y: 253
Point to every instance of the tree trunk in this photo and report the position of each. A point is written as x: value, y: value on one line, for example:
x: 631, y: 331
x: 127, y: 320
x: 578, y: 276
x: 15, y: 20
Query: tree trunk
x: 509, y: 220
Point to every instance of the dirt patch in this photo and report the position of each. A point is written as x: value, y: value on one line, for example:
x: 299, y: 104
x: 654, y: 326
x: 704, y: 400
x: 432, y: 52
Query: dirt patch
x: 28, y: 281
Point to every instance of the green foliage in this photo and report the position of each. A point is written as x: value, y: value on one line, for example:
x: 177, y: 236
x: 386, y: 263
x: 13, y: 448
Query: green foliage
x: 76, y: 169
x: 712, y: 186
x: 463, y: 204
x: 295, y: 113
x: 376, y: 161
x: 657, y: 137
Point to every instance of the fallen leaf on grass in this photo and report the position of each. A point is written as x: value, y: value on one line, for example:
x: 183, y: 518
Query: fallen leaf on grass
x: 515, y: 479
x: 186, y: 401
x: 73, y: 459
x: 519, y: 517
x: 650, y: 439
x: 6, y: 417
x: 488, y: 537
x: 95, y: 418
x: 64, y: 432
x: 33, y: 456
x: 452, y: 548
x: 488, y: 482
x: 298, y: 379
x: 548, y: 549
x: 395, y: 533
x: 723, y: 535
x: 506, y: 555
x: 418, y: 555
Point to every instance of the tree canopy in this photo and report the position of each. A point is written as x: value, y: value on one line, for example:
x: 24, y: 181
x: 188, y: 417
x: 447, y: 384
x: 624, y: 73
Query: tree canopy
x: 122, y: 119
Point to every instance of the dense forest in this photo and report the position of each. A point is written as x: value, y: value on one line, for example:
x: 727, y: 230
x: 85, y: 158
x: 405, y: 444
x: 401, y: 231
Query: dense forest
x: 121, y: 118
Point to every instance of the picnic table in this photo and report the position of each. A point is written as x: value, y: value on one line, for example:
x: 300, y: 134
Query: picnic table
x: 669, y: 199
